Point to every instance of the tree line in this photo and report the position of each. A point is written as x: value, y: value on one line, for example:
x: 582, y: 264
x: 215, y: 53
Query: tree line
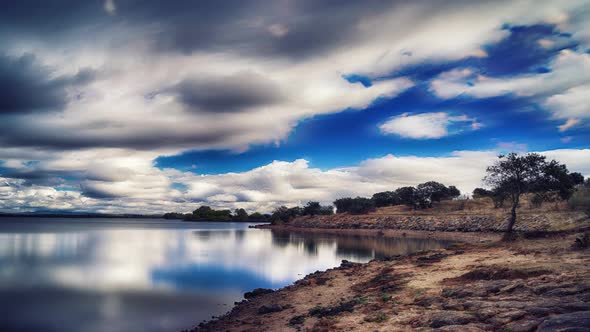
x: 419, y: 197
x: 510, y: 177
x: 206, y: 213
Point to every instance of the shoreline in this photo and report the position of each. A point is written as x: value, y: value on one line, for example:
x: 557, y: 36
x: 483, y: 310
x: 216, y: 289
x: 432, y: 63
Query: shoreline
x: 468, y: 237
x: 424, y: 290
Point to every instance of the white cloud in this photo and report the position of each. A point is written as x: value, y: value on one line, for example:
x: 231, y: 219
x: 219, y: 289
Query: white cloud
x: 149, y: 190
x: 425, y: 125
x: 572, y: 122
x: 564, y: 91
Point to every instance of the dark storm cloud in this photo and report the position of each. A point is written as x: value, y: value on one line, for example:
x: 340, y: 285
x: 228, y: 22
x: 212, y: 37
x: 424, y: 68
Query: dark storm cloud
x: 27, y: 86
x: 92, y: 192
x: 34, y: 176
x: 187, y: 26
x: 20, y: 134
x: 226, y: 94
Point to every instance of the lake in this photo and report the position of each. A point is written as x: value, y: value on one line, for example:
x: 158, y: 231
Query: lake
x: 155, y: 275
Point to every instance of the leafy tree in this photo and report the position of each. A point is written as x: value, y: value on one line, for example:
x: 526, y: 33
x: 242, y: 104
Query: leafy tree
x: 312, y: 209
x: 453, y: 192
x: 385, y: 198
x: 256, y: 216
x: 358, y: 205
x: 514, y: 175
x: 577, y: 178
x: 343, y: 204
x: 406, y: 195
x: 481, y: 192
x: 283, y: 214
x: 240, y: 215
x: 433, y: 191
x: 361, y: 205
x: 205, y: 213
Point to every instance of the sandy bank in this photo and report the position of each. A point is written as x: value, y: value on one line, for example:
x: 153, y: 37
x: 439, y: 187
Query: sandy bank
x: 527, y: 285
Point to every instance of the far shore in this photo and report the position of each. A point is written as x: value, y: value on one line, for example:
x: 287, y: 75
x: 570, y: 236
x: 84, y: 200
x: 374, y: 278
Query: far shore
x: 470, y: 237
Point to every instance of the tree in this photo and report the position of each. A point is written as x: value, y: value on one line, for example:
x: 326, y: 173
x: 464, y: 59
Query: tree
x: 358, y: 205
x: 343, y: 204
x: 497, y: 195
x: 257, y: 216
x: 385, y: 198
x: 312, y: 209
x: 406, y: 195
x: 577, y: 178
x: 432, y: 191
x: 240, y: 215
x: 514, y: 175
x: 283, y: 214
x: 453, y: 192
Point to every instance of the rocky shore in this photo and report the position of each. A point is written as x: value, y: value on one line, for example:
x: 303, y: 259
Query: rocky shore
x: 495, y: 221
x: 527, y: 285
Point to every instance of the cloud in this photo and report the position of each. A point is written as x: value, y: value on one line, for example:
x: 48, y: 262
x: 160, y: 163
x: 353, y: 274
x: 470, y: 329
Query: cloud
x: 425, y: 125
x: 236, y: 92
x: 571, y: 103
x: 146, y: 189
x: 572, y: 122
x: 563, y: 91
x: 27, y: 86
x: 159, y: 78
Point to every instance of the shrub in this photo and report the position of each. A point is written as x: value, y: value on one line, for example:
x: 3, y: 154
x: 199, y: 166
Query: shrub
x: 359, y: 205
x: 580, y: 200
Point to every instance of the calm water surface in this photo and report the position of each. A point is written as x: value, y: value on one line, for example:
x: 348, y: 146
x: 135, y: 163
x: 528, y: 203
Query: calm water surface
x: 155, y: 275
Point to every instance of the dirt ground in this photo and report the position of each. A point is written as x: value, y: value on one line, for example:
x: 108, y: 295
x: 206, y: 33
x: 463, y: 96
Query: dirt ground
x: 485, y: 285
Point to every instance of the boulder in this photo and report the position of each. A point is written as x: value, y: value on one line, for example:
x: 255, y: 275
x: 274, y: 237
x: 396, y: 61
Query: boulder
x: 575, y: 321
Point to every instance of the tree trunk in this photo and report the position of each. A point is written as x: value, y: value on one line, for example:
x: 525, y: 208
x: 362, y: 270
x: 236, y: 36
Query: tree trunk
x: 508, y: 234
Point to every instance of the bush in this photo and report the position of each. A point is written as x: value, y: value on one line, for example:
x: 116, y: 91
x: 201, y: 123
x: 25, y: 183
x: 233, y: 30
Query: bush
x: 580, y: 200
x: 359, y: 205
x: 386, y: 198
x: 315, y: 208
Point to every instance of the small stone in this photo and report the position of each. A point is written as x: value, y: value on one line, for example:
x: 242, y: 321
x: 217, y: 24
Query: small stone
x: 268, y: 308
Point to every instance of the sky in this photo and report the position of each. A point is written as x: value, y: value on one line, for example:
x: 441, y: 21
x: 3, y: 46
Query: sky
x: 128, y: 106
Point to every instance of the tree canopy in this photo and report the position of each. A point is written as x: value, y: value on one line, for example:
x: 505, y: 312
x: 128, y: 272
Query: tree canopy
x: 513, y: 175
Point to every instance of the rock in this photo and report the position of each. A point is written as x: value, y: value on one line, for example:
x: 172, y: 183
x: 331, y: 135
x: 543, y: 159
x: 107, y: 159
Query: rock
x: 268, y: 308
x: 576, y: 321
x: 297, y: 320
x: 524, y: 325
x: 257, y: 292
x: 582, y: 241
x: 444, y: 318
x: 347, y: 264
x: 459, y: 328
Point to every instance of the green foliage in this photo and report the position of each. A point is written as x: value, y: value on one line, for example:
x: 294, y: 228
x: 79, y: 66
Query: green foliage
x: 513, y: 175
x: 406, y: 195
x: 240, y: 215
x: 577, y: 178
x: 283, y: 214
x: 174, y: 215
x: 205, y: 213
x: 358, y: 205
x: 315, y: 208
x: 386, y: 198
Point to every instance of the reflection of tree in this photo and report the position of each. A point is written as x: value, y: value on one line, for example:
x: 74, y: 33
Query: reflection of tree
x: 240, y: 234
x: 356, y: 246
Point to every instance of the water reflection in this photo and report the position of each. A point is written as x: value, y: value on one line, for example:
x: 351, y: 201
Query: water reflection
x: 138, y: 275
